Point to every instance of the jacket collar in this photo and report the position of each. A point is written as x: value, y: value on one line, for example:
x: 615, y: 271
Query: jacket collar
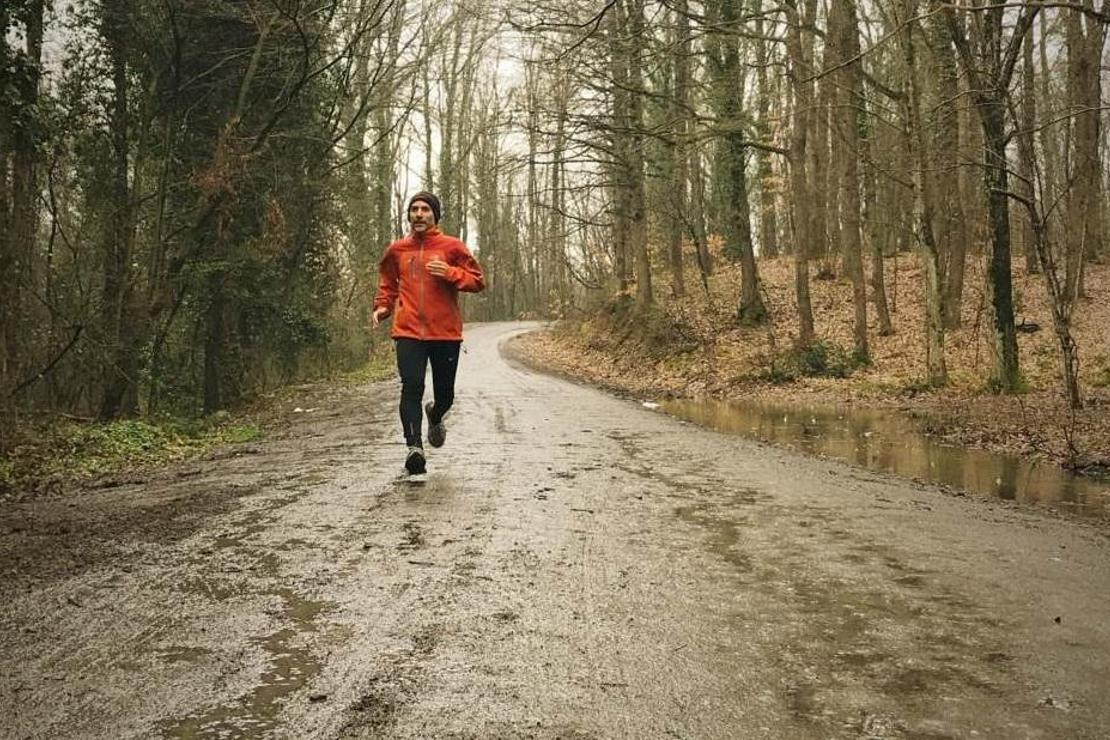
x: 429, y: 234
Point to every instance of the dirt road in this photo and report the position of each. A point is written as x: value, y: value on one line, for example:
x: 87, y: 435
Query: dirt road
x: 576, y: 566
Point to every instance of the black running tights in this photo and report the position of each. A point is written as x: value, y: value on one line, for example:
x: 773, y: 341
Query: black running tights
x: 413, y: 356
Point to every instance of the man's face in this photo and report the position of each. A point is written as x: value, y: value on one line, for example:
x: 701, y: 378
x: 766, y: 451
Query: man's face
x: 421, y: 216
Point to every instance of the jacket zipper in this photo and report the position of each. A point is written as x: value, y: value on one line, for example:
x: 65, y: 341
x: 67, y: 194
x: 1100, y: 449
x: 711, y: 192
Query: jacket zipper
x: 423, y: 316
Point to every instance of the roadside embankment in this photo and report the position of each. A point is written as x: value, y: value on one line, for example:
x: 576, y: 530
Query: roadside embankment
x: 694, y: 347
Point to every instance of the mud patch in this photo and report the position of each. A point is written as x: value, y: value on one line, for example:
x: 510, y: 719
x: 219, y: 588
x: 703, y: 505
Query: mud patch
x: 724, y: 534
x: 58, y: 540
x: 394, y: 686
x: 292, y: 666
x: 183, y: 654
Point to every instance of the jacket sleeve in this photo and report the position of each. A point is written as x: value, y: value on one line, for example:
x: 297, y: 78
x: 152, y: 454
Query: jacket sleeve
x: 388, y: 279
x: 465, y: 273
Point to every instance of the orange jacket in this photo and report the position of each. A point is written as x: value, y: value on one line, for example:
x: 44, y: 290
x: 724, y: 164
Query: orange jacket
x: 427, y: 306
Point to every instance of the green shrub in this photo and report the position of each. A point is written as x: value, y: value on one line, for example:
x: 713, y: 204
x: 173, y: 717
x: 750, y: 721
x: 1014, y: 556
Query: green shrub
x: 819, y: 359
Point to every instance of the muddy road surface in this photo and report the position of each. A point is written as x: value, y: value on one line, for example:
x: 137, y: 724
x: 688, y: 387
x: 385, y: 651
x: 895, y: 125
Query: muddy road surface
x: 575, y: 566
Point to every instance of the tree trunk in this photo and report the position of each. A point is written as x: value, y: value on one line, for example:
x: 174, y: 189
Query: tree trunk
x: 558, y: 223
x: 923, y: 212
x: 384, y: 166
x: 429, y: 174
x: 843, y: 27
x: 817, y: 150
x: 729, y: 78
x: 800, y: 69
x: 944, y: 139
x: 768, y: 212
x: 990, y: 93
x: 1059, y: 301
x: 872, y: 210
x: 696, y: 216
x: 969, y: 194
x: 637, y: 232
x: 25, y: 157
x: 215, y: 342
x: 449, y: 125
x: 536, y: 300
x: 1006, y: 373
x: 9, y: 302
x: 1027, y: 111
x: 751, y: 310
x: 1084, y: 205
x: 361, y: 229
x: 22, y: 228
x: 621, y: 150
x: 1050, y: 111
x: 678, y: 151
x: 120, y: 396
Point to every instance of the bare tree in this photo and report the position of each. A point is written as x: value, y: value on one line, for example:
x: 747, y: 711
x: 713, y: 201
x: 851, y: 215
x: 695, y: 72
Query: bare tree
x: 119, y: 322
x: 768, y: 210
x: 923, y: 207
x: 1054, y: 276
x: 989, y: 67
x: 844, y: 37
x: 1085, y: 37
x: 678, y: 149
x: 800, y: 53
x: 728, y: 95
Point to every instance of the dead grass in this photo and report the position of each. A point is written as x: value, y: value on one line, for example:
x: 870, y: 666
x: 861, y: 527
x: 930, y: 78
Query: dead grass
x: 695, y: 347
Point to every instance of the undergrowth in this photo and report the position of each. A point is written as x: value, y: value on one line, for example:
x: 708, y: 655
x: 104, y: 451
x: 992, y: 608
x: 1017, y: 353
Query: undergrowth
x: 650, y: 330
x: 380, y: 365
x: 47, y: 452
x: 819, y: 359
x: 68, y: 448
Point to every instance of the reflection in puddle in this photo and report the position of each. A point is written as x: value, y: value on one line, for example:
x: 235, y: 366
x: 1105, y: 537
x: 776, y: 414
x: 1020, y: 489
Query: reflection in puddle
x: 291, y: 666
x: 889, y: 442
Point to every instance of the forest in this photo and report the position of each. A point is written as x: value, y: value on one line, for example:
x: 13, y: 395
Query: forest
x: 194, y: 195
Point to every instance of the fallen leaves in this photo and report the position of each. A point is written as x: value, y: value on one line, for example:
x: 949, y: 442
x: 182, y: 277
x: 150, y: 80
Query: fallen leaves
x: 701, y: 350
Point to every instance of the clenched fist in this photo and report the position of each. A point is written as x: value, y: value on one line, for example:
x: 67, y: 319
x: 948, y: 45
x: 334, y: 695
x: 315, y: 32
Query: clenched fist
x: 438, y: 268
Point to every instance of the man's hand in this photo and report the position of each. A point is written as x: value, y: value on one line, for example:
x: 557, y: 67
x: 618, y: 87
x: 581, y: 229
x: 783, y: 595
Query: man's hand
x: 379, y: 314
x: 438, y: 268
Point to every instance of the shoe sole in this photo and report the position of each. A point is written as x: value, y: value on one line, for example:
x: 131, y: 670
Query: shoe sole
x: 416, y: 465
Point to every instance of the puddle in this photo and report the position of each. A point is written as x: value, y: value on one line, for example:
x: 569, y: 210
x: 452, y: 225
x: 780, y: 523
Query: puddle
x: 887, y: 441
x: 257, y: 713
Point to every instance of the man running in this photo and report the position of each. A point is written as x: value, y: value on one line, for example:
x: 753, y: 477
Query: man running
x: 422, y: 275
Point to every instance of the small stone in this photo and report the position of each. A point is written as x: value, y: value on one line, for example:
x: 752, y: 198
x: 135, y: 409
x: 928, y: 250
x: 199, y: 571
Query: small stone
x: 317, y: 697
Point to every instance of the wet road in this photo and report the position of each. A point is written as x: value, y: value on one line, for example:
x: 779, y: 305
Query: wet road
x: 576, y: 566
